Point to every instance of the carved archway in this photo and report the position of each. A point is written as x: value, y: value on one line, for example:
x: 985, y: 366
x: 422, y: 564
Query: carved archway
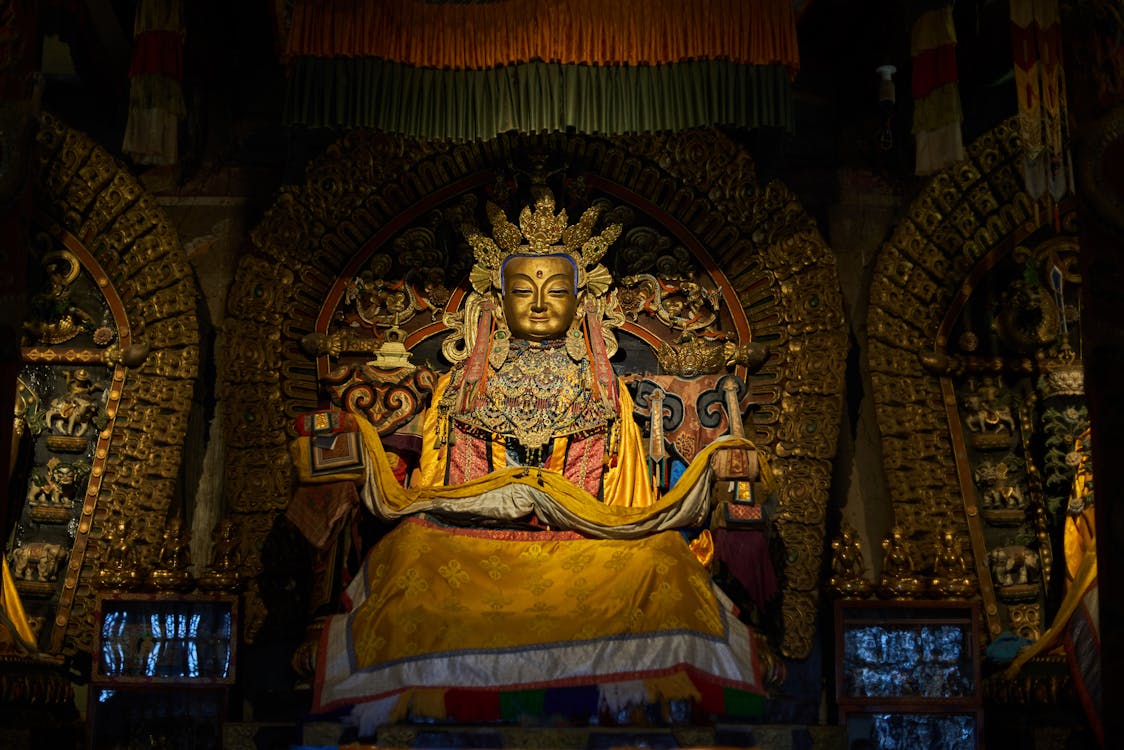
x: 697, y: 187
x: 127, y: 338
x: 975, y: 366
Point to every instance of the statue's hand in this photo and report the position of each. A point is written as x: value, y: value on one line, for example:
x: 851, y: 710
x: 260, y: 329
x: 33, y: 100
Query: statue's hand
x: 734, y: 463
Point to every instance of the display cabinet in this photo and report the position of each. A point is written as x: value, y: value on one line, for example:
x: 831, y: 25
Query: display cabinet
x: 162, y: 665
x: 907, y: 673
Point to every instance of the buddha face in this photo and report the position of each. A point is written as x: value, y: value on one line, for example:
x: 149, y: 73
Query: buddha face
x: 539, y: 297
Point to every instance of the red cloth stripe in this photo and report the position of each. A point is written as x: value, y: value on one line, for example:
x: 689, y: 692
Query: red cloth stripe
x: 158, y: 53
x: 1024, y: 48
x: 472, y: 706
x: 932, y: 69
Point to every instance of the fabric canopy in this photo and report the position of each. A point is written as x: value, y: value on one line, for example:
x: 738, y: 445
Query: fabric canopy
x: 465, y: 71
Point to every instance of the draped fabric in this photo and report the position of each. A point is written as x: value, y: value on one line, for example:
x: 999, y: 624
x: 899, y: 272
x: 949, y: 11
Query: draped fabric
x: 16, y: 635
x: 474, y: 70
x: 936, y: 90
x: 155, y: 91
x: 1040, y: 86
x: 1077, y: 622
x: 516, y: 493
x: 443, y: 608
x: 617, y: 597
x: 478, y: 36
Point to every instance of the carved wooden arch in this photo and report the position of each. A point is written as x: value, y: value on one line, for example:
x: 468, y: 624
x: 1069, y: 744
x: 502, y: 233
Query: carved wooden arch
x: 367, y: 186
x: 91, y: 206
x: 963, y: 224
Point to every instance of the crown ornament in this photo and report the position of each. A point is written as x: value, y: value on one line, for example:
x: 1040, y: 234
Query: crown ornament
x: 541, y: 232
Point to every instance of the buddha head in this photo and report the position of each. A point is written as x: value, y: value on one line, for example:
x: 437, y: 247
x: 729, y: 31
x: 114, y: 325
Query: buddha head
x: 540, y: 273
x: 541, y: 280
x: 539, y: 295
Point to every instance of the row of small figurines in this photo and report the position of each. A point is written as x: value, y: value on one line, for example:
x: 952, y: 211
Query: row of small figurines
x: 121, y: 570
x: 899, y: 579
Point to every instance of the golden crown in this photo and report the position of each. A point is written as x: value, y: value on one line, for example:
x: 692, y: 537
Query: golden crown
x: 541, y: 232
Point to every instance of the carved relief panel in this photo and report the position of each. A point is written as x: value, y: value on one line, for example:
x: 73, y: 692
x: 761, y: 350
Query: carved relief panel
x: 109, y: 352
x: 975, y: 364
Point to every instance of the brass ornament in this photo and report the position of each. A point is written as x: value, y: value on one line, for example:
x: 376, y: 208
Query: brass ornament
x: 1026, y: 620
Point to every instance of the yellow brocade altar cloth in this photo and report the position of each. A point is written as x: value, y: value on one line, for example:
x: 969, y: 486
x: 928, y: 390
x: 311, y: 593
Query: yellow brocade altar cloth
x: 438, y: 607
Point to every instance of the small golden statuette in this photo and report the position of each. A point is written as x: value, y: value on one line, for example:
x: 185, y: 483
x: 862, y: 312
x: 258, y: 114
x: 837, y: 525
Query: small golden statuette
x: 120, y: 571
x: 848, y: 572
x: 899, y: 579
x: 173, y: 571
x: 950, y: 572
x: 223, y: 574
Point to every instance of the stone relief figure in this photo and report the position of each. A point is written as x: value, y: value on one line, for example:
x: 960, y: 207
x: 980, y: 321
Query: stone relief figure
x: 531, y: 520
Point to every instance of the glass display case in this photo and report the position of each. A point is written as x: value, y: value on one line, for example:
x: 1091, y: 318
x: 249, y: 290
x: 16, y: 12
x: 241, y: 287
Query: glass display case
x: 161, y: 670
x: 907, y: 673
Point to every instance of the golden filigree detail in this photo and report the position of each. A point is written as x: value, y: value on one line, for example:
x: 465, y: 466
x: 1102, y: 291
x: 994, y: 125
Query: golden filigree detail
x: 697, y: 356
x: 544, y: 232
x: 1026, y: 620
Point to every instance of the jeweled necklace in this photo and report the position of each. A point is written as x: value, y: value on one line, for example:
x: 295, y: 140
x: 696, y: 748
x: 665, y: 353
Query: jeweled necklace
x: 538, y: 394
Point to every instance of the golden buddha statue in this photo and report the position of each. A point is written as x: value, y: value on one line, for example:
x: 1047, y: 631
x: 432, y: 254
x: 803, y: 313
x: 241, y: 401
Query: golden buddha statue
x: 173, y: 565
x: 533, y: 549
x: 848, y: 570
x: 223, y: 572
x: 899, y: 571
x: 950, y: 570
x: 120, y: 570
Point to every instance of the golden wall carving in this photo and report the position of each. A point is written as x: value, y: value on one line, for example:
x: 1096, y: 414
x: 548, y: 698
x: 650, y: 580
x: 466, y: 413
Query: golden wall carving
x: 368, y: 192
x: 139, y: 365
x: 953, y: 412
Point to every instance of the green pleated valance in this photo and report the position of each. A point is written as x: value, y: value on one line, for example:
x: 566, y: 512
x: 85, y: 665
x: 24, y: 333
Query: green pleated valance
x: 535, y: 97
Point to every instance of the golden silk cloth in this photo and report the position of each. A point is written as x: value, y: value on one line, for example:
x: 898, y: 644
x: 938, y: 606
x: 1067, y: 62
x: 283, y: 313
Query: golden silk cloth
x: 438, y: 607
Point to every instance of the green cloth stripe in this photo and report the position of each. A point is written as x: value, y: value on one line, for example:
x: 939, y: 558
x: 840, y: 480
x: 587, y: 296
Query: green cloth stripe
x: 516, y: 705
x: 535, y: 97
x: 742, y: 704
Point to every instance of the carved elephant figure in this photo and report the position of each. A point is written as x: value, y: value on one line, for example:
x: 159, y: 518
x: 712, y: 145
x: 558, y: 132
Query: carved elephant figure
x: 70, y: 416
x: 1013, y: 565
x: 1004, y: 496
x: 37, y: 561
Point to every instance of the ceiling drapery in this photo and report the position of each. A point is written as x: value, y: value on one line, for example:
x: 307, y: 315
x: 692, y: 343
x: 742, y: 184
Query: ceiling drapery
x: 472, y: 70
